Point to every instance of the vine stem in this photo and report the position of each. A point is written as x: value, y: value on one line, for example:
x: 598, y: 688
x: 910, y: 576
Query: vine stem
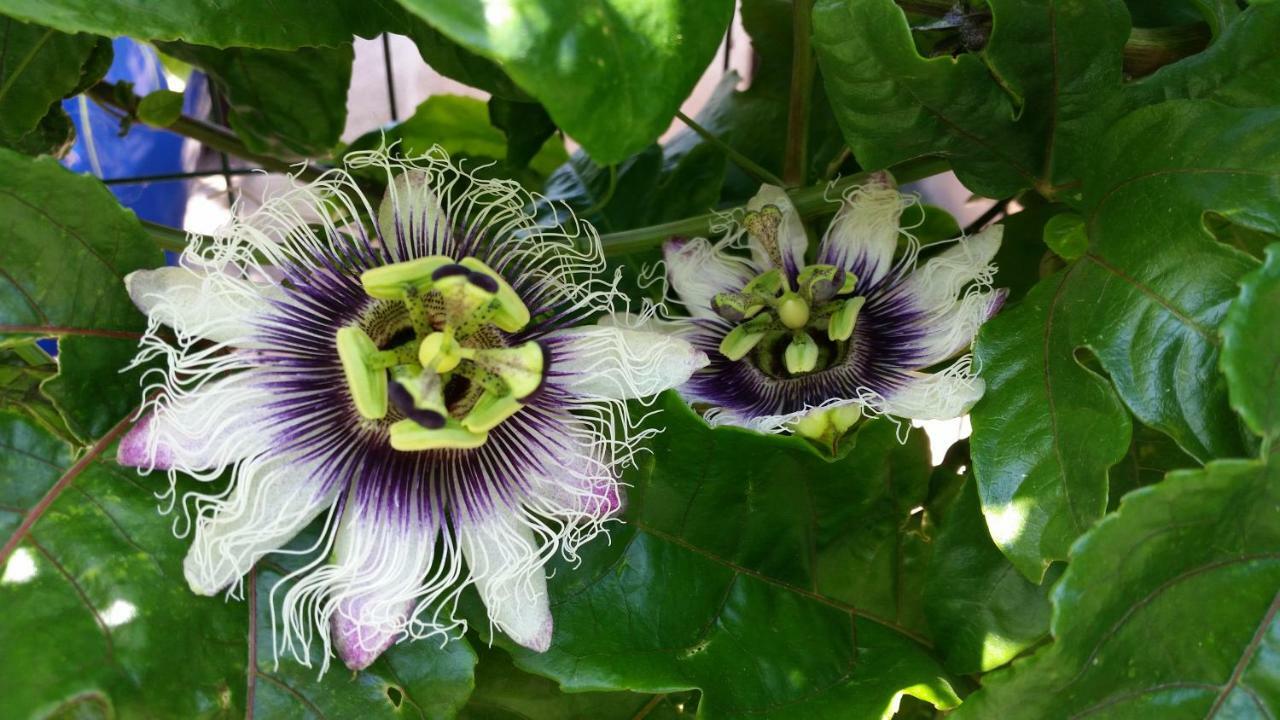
x: 809, y: 202
x: 747, y: 164
x: 797, y: 151
x: 123, y: 99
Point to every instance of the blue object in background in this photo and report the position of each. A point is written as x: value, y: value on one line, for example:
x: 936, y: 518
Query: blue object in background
x: 101, y: 151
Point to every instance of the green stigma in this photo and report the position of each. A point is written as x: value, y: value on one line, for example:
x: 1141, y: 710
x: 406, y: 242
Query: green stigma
x: 787, y: 332
x: 455, y: 379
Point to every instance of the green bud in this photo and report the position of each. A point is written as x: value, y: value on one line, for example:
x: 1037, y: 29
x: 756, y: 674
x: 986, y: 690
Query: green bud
x: 841, y: 323
x: 409, y: 436
x: 367, y: 383
x: 802, y: 354
x: 793, y: 311
x: 844, y: 417
x: 814, y: 426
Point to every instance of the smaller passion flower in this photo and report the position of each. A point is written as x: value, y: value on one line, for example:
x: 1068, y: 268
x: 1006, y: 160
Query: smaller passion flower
x: 415, y: 379
x: 810, y: 347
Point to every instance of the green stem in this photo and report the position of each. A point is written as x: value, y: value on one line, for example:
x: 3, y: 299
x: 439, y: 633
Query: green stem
x: 168, y: 238
x: 747, y: 164
x: 809, y: 201
x: 797, y: 151
x: 221, y: 139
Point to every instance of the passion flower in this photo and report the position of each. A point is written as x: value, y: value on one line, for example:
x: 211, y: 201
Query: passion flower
x: 415, y: 378
x: 811, y: 346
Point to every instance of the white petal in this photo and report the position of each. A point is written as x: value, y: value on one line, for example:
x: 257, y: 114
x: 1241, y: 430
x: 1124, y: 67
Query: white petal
x: 864, y: 233
x: 936, y: 284
x: 792, y: 238
x: 409, y: 213
x: 208, y: 306
x: 271, y: 500
x: 507, y: 570
x: 698, y: 270
x: 380, y: 561
x: 940, y: 396
x: 953, y: 331
x: 212, y: 426
x: 620, y: 364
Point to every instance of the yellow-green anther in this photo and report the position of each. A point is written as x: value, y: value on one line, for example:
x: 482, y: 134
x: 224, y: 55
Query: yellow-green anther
x: 736, y: 307
x: 815, y: 425
x: 765, y: 284
x: 409, y: 436
x: 367, y: 383
x: 740, y: 341
x: 510, y: 314
x: 489, y: 411
x: 519, y: 367
x: 820, y: 283
x: 390, y: 282
x: 801, y: 355
x: 440, y: 351
x: 850, y: 282
x: 466, y: 304
x: 793, y: 311
x: 423, y: 386
x: 841, y: 323
x: 844, y: 417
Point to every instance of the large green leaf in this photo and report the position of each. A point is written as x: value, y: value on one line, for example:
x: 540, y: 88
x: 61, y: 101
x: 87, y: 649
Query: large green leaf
x: 756, y: 571
x: 1145, y: 299
x: 288, y: 104
x: 68, y: 247
x: 982, y: 611
x: 612, y: 73
x: 1251, y: 348
x: 281, y: 24
x: 38, y: 67
x: 1168, y: 609
x: 1047, y: 73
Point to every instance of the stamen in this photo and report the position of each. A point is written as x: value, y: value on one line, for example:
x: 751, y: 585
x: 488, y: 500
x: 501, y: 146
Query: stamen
x: 368, y: 383
x: 802, y: 354
x: 409, y: 436
x: 841, y: 323
x: 743, y: 338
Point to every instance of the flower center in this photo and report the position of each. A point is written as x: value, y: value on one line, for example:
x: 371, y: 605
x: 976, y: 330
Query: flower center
x: 777, y: 325
x: 449, y: 375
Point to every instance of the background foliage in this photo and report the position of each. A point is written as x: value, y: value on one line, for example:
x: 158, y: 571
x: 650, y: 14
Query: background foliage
x: 1107, y: 544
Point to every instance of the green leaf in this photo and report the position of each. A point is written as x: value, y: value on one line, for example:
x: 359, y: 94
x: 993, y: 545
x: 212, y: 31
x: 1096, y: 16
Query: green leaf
x: 69, y: 246
x: 1044, y: 82
x: 93, y: 591
x: 1023, y: 259
x: 611, y: 73
x: 1065, y: 234
x: 461, y: 126
x: 1133, y: 636
x: 756, y: 571
x: 506, y: 693
x: 456, y: 62
x: 1251, y: 348
x: 289, y: 104
x: 160, y: 108
x: 1145, y: 299
x: 1151, y: 456
x: 983, y: 613
x: 281, y: 24
x: 526, y: 125
x: 38, y: 67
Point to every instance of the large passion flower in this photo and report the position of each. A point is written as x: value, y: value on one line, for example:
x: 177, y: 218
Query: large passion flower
x: 409, y: 372
x: 812, y: 346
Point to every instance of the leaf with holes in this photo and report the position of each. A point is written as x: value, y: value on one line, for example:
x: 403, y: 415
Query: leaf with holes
x: 750, y: 568
x: 68, y: 247
x: 38, y: 67
x: 1133, y: 637
x: 1145, y: 299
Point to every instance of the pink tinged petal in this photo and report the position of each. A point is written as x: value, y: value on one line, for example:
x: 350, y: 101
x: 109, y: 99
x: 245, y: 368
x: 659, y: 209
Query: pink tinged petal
x: 208, y: 306
x: 953, y: 331
x: 410, y: 210
x: 937, y: 282
x: 940, y: 396
x: 506, y: 568
x: 792, y: 238
x: 619, y: 364
x: 270, y: 501
x: 381, y: 557
x: 208, y: 428
x: 698, y: 271
x: 864, y: 234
